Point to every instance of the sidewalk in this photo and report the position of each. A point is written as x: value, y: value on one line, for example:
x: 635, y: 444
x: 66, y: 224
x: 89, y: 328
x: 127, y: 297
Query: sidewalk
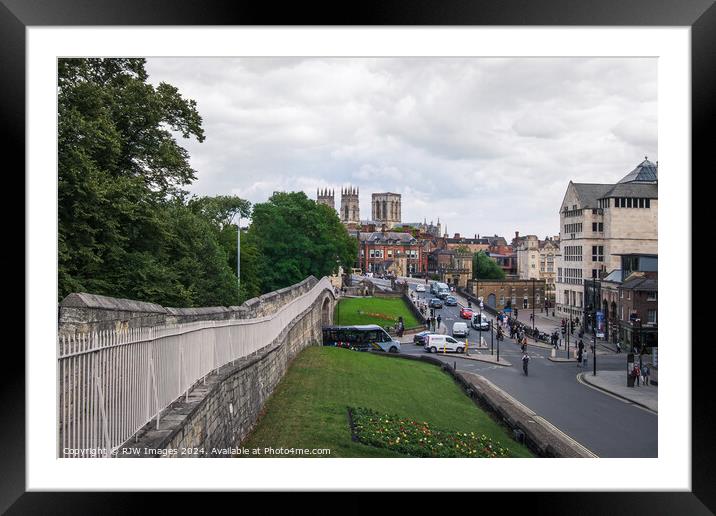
x: 615, y: 383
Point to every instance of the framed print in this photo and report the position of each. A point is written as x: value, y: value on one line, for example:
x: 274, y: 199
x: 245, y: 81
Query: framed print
x: 224, y: 198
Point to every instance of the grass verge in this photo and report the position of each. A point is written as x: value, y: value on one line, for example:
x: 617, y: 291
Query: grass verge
x: 309, y: 408
x: 383, y: 311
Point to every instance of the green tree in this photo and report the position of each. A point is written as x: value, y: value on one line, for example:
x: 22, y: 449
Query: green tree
x: 484, y: 267
x: 297, y: 237
x: 118, y: 165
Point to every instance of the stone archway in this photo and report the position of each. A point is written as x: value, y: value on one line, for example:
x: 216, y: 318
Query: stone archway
x: 491, y: 300
x: 326, y: 311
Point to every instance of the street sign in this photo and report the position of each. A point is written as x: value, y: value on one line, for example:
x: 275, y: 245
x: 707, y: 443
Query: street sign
x: 600, y: 324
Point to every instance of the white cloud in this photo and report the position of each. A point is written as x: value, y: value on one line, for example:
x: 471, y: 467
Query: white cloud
x: 486, y: 145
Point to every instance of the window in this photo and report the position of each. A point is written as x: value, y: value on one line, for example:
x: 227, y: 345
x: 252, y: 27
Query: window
x: 647, y: 203
x: 390, y: 253
x: 597, y: 253
x: 651, y: 296
x: 595, y: 273
x: 651, y: 316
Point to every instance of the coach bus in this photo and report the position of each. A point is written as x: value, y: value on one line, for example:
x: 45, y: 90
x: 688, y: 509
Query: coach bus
x: 367, y: 337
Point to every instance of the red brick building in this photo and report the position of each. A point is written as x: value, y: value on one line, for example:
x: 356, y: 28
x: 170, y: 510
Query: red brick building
x: 386, y: 251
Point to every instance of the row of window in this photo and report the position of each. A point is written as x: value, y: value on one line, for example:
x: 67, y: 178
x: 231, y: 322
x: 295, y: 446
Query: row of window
x: 573, y: 228
x: 573, y: 253
x: 378, y: 253
x: 625, y: 202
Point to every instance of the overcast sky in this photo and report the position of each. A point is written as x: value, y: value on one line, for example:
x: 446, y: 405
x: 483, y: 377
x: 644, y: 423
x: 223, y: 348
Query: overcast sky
x: 486, y: 145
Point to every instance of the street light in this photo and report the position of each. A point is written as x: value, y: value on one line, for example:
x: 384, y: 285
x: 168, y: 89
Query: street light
x: 534, y: 335
x: 238, y: 257
x: 594, y: 325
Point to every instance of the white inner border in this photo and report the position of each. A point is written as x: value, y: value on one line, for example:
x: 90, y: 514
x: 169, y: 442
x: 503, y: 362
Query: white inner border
x: 671, y: 471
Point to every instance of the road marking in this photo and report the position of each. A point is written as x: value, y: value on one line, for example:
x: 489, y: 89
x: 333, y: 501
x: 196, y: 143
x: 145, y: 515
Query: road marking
x: 534, y: 415
x: 623, y: 400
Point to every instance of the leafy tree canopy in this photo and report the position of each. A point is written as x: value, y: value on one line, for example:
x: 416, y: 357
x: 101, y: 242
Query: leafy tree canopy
x: 297, y: 237
x: 484, y: 267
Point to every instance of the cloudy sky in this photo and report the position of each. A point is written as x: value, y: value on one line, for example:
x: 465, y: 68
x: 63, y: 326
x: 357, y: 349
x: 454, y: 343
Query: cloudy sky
x: 486, y: 145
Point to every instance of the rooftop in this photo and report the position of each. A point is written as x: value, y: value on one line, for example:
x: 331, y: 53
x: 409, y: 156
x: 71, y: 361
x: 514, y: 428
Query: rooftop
x: 645, y: 172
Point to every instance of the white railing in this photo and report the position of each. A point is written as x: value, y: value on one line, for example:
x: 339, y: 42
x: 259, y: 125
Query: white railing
x: 111, y: 384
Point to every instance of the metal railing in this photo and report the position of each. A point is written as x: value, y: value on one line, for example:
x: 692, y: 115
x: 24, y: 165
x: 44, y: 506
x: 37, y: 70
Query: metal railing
x: 111, y: 384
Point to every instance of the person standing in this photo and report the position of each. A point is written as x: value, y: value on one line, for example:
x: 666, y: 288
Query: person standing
x: 580, y: 351
x: 637, y: 374
x: 438, y: 320
x: 646, y: 372
x: 525, y: 363
x: 401, y: 326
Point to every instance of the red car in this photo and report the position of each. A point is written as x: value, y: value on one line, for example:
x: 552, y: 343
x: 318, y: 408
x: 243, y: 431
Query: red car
x: 466, y: 313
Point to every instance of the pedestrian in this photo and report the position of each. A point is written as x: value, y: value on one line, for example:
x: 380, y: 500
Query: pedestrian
x: 619, y: 347
x: 401, y: 326
x: 637, y: 374
x: 646, y: 372
x: 439, y: 319
x: 525, y: 362
x: 579, y: 357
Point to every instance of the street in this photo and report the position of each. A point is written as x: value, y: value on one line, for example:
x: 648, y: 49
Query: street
x: 601, y: 422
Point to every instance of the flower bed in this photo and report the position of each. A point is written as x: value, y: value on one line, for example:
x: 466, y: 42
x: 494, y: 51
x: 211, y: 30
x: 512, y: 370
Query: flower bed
x: 418, y: 438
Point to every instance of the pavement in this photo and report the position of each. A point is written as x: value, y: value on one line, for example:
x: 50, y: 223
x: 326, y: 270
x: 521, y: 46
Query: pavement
x: 615, y: 383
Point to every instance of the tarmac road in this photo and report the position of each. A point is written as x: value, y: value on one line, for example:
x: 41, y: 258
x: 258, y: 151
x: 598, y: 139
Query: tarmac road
x: 608, y: 426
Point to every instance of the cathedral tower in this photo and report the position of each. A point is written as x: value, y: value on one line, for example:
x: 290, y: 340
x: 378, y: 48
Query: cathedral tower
x: 350, y: 212
x: 326, y: 197
x: 386, y: 209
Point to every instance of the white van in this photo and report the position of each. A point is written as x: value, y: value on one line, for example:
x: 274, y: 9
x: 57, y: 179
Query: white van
x: 438, y: 343
x: 460, y: 329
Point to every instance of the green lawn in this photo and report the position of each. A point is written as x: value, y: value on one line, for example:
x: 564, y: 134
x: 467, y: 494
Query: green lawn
x: 383, y: 311
x: 309, y: 407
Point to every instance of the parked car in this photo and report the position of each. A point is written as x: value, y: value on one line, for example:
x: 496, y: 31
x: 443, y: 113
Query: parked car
x: 450, y: 301
x: 467, y: 313
x: 437, y: 343
x: 419, y: 338
x: 420, y: 288
x: 435, y: 303
x: 460, y: 329
x: 480, y: 324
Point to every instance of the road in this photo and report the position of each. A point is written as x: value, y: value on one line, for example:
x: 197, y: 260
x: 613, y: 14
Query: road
x: 608, y: 426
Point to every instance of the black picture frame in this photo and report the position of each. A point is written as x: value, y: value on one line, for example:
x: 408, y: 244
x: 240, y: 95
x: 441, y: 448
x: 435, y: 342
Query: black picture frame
x: 700, y: 15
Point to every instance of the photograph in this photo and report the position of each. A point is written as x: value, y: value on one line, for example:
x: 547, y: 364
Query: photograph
x: 357, y: 257
x: 312, y: 249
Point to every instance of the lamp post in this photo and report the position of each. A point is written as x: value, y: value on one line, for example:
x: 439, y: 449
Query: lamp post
x: 594, y: 325
x: 238, y: 257
x: 479, y: 342
x: 534, y: 334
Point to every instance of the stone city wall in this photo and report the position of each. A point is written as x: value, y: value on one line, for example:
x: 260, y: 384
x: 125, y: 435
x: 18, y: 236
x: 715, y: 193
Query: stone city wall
x: 87, y: 313
x: 219, y: 415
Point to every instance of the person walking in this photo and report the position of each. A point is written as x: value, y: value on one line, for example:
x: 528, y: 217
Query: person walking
x: 580, y: 351
x: 401, y: 326
x: 646, y: 372
x: 438, y: 320
x: 525, y: 363
x: 637, y: 374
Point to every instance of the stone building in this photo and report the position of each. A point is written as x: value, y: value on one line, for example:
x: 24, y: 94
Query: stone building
x: 326, y: 197
x: 537, y: 259
x: 521, y: 294
x: 350, y: 208
x: 386, y: 209
x: 600, y: 222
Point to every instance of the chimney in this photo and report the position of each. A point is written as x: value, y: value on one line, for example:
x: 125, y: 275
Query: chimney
x: 517, y: 234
